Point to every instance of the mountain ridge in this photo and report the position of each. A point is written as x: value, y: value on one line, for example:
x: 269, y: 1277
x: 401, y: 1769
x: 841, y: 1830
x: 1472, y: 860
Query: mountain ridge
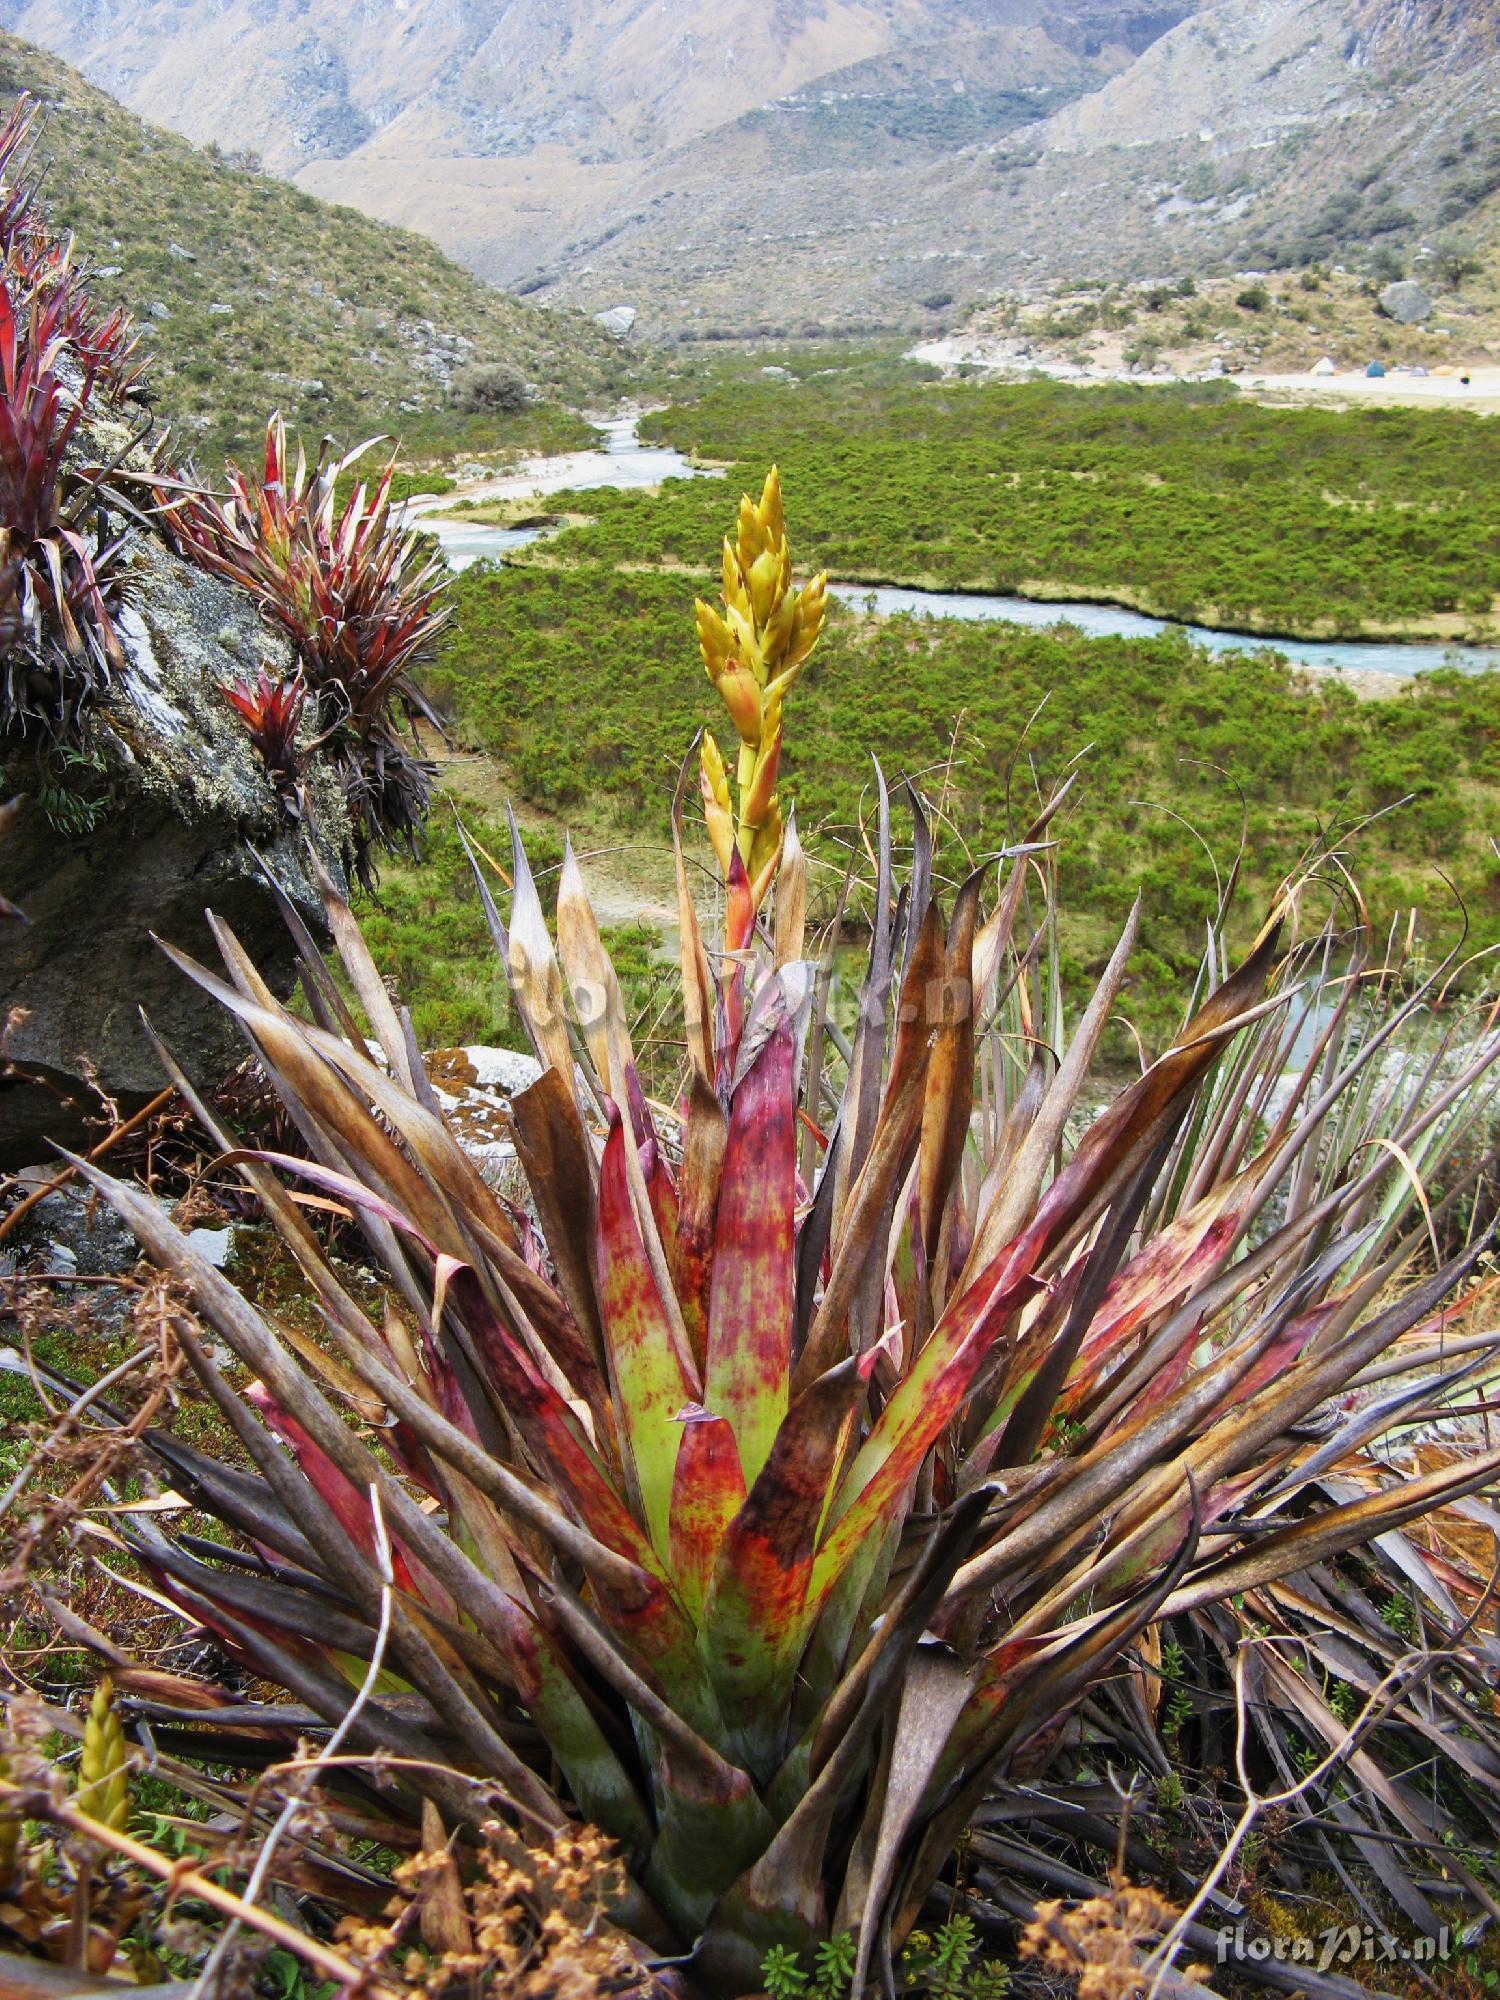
x: 511, y: 131
x: 836, y: 164
x: 251, y: 296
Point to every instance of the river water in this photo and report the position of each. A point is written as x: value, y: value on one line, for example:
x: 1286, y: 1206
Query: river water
x: 624, y: 461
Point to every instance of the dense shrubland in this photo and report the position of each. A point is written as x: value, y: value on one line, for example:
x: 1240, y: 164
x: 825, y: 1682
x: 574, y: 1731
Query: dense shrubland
x: 982, y: 716
x: 1188, y: 501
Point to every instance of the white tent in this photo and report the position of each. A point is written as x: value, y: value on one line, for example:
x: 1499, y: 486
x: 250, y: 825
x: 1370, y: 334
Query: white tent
x: 1325, y: 366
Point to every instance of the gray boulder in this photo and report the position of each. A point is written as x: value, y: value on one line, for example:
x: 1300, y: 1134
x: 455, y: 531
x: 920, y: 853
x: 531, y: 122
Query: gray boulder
x: 1406, y: 302
x: 618, y: 320
x: 175, y: 796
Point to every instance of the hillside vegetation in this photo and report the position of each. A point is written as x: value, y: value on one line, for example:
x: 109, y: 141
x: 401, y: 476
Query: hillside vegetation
x: 1279, y: 322
x: 255, y: 296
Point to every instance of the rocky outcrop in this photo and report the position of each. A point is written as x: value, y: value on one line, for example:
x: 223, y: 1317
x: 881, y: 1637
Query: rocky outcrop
x: 170, y: 798
x: 1406, y: 302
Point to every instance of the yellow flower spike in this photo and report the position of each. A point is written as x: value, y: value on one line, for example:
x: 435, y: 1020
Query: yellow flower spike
x: 812, y: 600
x: 754, y: 652
x: 779, y: 629
x: 765, y: 585
x: 750, y: 536
x: 739, y: 691
x: 104, y: 1767
x: 736, y: 597
x: 714, y: 637
x: 758, y: 801
x: 770, y: 510
x: 717, y: 812
x: 746, y: 645
x: 770, y: 708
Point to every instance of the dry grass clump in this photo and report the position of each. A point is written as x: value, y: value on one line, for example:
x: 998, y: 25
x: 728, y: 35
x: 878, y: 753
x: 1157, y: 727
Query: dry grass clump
x: 531, y: 1921
x: 1100, y: 1943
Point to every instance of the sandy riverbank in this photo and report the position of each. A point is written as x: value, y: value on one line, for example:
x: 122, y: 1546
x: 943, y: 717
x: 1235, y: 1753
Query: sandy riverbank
x: 1453, y: 386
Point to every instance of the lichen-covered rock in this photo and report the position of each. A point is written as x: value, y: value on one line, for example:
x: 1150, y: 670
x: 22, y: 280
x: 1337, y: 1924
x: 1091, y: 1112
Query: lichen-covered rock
x: 176, y: 797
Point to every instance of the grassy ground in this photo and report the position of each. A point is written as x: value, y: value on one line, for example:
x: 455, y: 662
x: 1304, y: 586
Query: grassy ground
x: 258, y: 297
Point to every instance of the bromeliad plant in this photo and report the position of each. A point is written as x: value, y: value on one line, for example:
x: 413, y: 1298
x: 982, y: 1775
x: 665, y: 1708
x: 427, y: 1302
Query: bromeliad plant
x: 766, y: 1518
x: 62, y: 358
x: 272, y: 712
x: 57, y: 638
x: 361, y: 603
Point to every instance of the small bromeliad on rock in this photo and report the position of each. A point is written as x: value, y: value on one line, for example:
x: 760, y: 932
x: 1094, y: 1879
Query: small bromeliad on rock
x: 362, y: 604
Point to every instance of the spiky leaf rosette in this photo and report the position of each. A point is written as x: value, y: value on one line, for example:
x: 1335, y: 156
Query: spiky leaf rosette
x: 61, y: 356
x: 57, y: 639
x: 271, y: 711
x: 764, y: 1512
x: 360, y: 601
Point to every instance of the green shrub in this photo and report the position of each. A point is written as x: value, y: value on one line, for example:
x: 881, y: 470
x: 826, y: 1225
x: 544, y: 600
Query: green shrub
x: 494, y: 385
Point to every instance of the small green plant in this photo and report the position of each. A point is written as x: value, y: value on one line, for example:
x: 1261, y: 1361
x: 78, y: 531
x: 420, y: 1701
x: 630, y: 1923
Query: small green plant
x: 1400, y: 1614
x: 783, y: 1974
x: 68, y: 793
x: 1179, y: 1701
x: 833, y: 1963
x: 1344, y: 1701
x: 945, y: 1964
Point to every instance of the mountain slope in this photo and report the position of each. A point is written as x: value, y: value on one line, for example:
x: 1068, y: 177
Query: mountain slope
x: 513, y: 130
x: 726, y: 166
x: 1251, y: 132
x: 303, y: 80
x: 253, y: 295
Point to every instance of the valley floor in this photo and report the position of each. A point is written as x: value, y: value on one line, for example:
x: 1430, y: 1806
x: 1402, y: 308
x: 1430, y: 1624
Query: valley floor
x: 572, y: 680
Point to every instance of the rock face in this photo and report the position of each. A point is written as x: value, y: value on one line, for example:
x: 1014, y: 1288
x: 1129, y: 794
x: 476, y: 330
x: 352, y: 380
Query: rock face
x: 180, y: 796
x: 1405, y: 302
